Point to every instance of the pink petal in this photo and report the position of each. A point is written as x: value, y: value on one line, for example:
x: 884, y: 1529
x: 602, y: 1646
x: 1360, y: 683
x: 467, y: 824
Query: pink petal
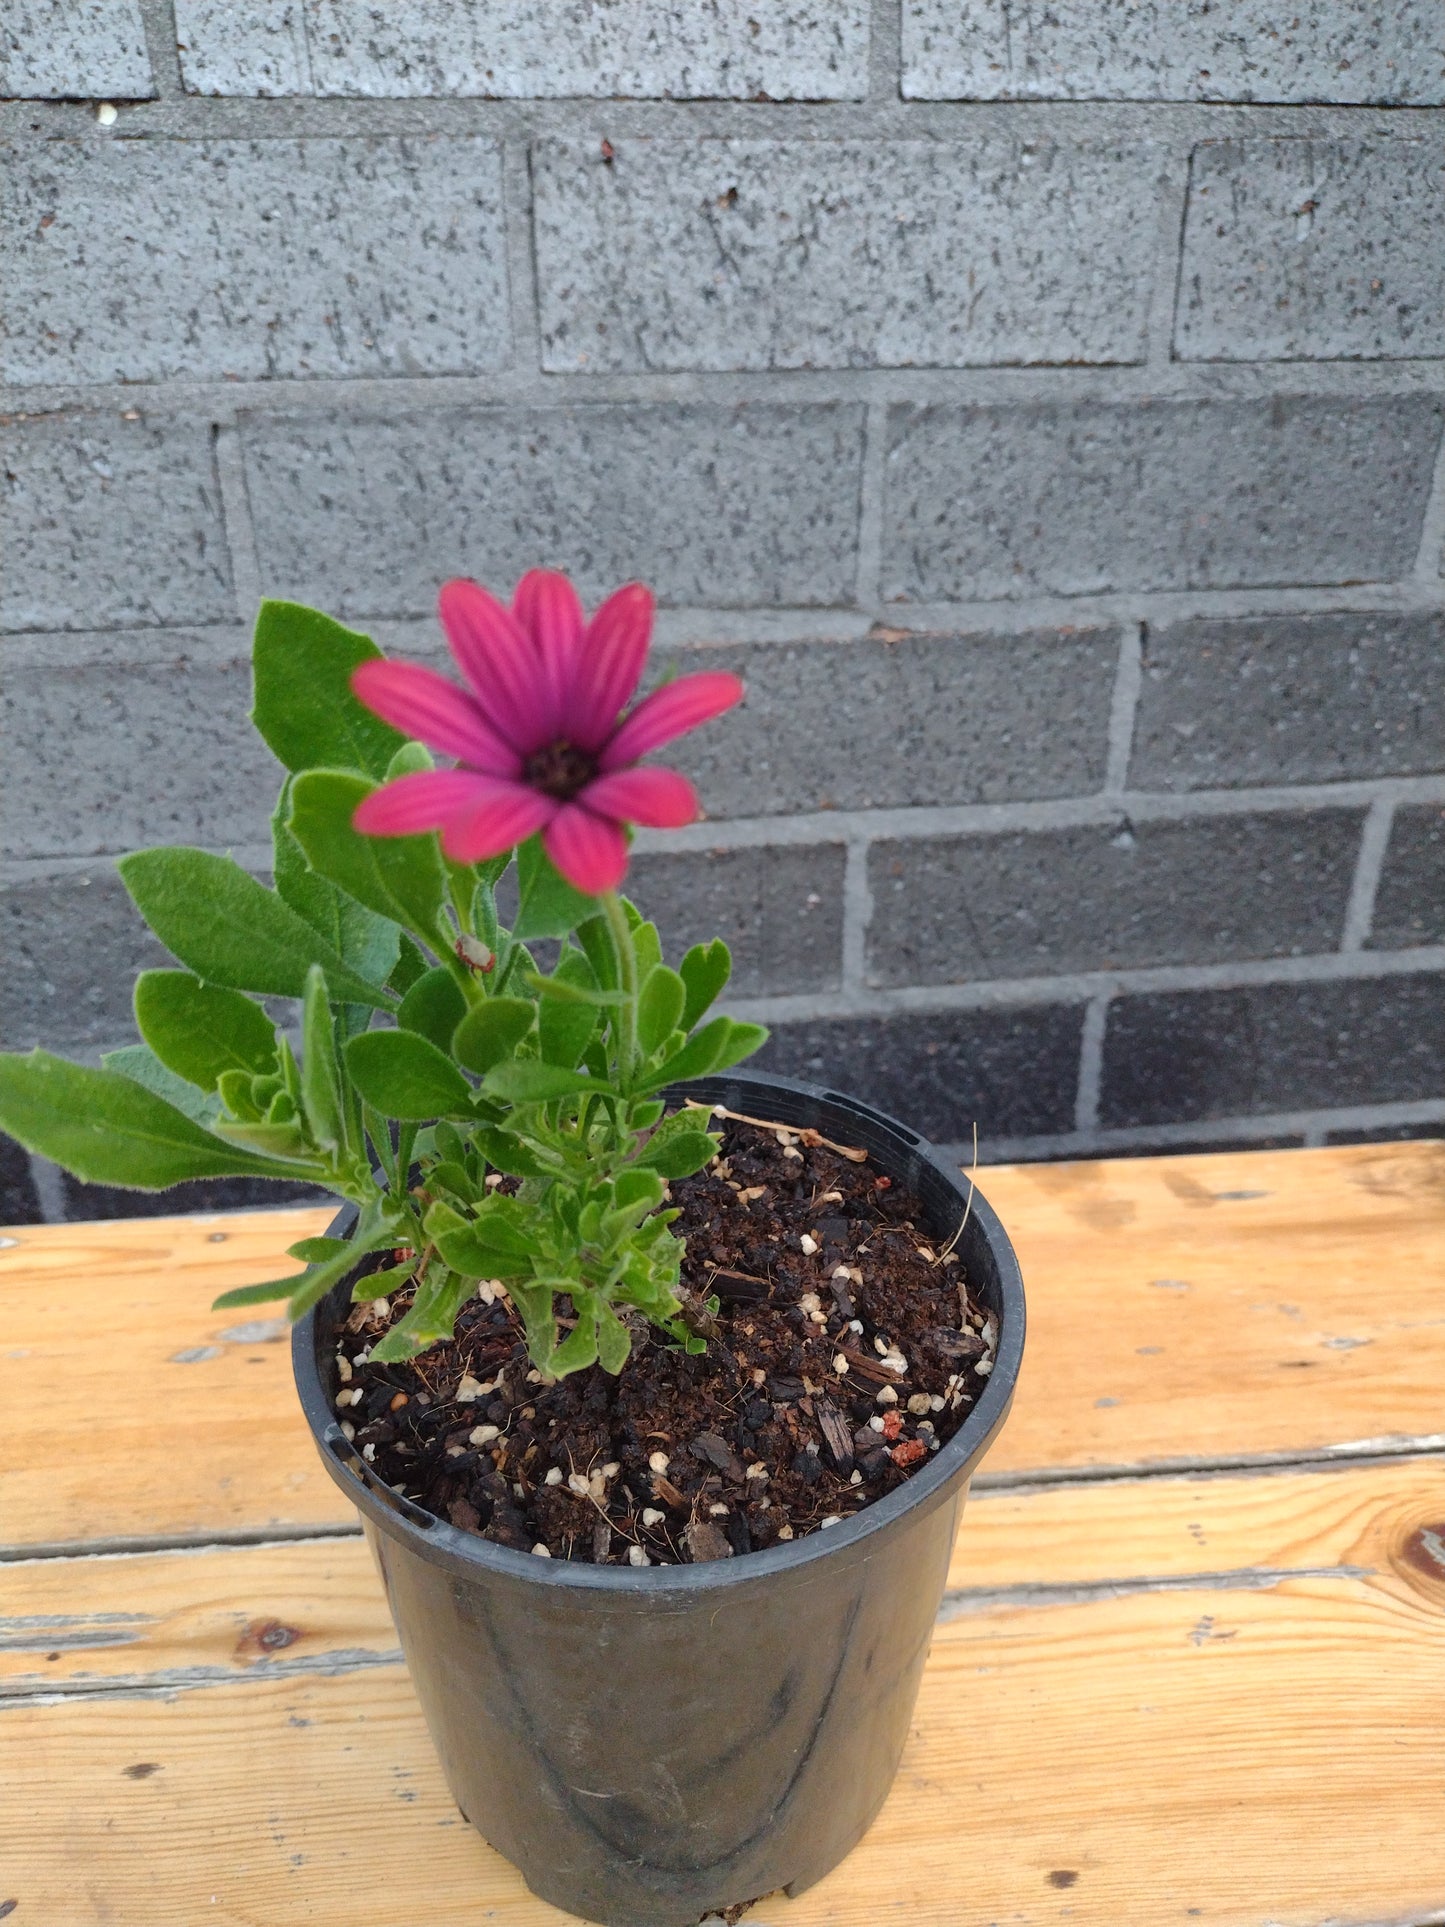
x: 589, y: 851
x: 546, y: 605
x: 429, y: 707
x: 671, y: 711
x: 506, y: 815
x: 422, y: 801
x: 500, y: 661
x: 660, y: 798
x: 609, y: 665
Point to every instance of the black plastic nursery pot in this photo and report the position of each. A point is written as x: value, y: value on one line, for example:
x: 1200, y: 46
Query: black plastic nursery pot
x: 649, y: 1745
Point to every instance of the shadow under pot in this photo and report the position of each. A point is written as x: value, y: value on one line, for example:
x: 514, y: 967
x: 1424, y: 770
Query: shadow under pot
x: 648, y: 1745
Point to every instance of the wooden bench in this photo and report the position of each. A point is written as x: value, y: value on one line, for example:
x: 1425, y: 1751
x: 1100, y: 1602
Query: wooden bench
x: 1191, y: 1664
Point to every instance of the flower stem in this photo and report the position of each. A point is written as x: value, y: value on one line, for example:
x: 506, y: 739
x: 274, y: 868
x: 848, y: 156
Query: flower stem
x: 621, y: 932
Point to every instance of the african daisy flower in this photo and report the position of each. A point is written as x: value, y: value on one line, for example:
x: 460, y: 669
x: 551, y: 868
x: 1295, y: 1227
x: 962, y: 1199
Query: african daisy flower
x: 538, y: 732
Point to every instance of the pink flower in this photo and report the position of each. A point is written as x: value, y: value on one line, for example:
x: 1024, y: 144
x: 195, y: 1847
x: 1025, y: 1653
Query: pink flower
x: 538, y: 733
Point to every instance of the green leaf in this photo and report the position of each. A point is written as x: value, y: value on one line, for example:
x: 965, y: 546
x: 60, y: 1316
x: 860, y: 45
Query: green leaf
x: 403, y: 1075
x: 256, y: 1294
x: 704, y: 971
x: 716, y: 1046
x: 509, y: 1154
x: 659, y: 1008
x: 411, y: 965
x: 366, y: 942
x: 564, y: 1027
x: 595, y: 937
x: 523, y: 1081
x: 638, y: 1191
x: 680, y: 1153
x: 433, y: 1007
x: 431, y: 1317
x: 547, y: 905
x: 317, y: 1251
x: 302, y: 664
x: 107, y: 1129
x: 229, y: 929
x: 614, y: 1341
x: 579, y: 1348
x: 140, y: 1063
x: 320, y: 1078
x: 400, y: 877
x: 199, y: 1030
x: 496, y: 1245
x: 491, y: 1031
x: 272, y: 1137
x: 645, y: 940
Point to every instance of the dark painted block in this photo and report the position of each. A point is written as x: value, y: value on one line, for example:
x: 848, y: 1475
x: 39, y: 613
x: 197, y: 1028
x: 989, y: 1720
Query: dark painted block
x: 1388, y: 1133
x: 73, y: 946
x: 1410, y: 903
x: 84, y: 1201
x: 19, y: 1200
x: 1029, y: 903
x: 1013, y: 1071
x: 1173, y: 1056
x: 779, y: 910
x: 1290, y: 699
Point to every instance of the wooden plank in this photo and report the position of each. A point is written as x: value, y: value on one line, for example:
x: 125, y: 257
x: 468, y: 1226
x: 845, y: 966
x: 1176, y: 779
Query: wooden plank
x: 1258, y: 1753
x: 1182, y: 1310
x: 137, y: 1621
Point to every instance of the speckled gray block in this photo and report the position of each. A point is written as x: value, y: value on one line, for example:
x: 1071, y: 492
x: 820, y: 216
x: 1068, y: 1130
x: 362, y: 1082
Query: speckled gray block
x: 141, y: 259
x: 514, y: 48
x: 1248, y: 50
x: 108, y: 520
x: 1313, y: 249
x: 74, y: 50
x: 1032, y: 903
x: 1080, y: 498
x: 170, y: 756
x: 714, y: 505
x: 842, y: 254
x: 1290, y: 699
x: 1013, y: 1072
x: 780, y: 911
x: 73, y: 946
x: 1410, y: 902
x: 903, y: 721
x: 19, y: 1200
x: 1183, y: 1055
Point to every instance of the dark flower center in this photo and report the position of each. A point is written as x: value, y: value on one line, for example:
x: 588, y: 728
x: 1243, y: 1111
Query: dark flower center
x: 560, y: 770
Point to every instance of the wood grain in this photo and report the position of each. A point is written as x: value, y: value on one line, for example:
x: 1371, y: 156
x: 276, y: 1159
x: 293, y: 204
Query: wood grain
x: 1182, y: 1310
x: 1256, y: 1753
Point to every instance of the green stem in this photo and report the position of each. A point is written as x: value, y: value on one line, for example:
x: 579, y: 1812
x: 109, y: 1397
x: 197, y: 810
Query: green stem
x: 621, y: 933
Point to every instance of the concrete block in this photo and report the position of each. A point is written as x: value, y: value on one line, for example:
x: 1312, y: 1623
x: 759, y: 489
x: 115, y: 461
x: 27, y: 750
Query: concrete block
x: 1290, y: 699
x: 109, y: 519
x: 141, y: 260
x: 74, y: 50
x: 711, y: 504
x: 1410, y: 902
x: 899, y: 720
x: 1352, y: 51
x: 19, y: 1200
x: 1013, y: 1071
x: 732, y: 254
x: 1177, y: 1056
x: 255, y: 47
x: 1299, y: 250
x: 1086, y: 497
x: 169, y: 757
x: 1030, y: 903
x: 804, y: 50
x: 780, y: 911
x: 73, y: 947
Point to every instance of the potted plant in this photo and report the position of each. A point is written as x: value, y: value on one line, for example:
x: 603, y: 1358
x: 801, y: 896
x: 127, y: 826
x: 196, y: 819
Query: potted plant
x: 658, y: 1386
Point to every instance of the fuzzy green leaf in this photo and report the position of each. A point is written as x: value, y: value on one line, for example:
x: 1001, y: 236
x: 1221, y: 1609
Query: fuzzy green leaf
x: 400, y: 877
x: 614, y: 1341
x: 491, y: 1031
x: 403, y: 1075
x: 302, y: 663
x: 199, y: 1030
x: 107, y: 1129
x: 496, y: 1244
x: 715, y: 1047
x: 431, y: 1316
x: 579, y: 1348
x: 509, y: 1154
x: 320, y: 1077
x: 433, y: 1007
x: 678, y: 1154
x: 140, y: 1063
x: 659, y: 1008
x: 564, y: 1026
x: 704, y: 971
x: 527, y: 1082
x: 364, y: 941
x: 547, y: 905
x: 229, y: 929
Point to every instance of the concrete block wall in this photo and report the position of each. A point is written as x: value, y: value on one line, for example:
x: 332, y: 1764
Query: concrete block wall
x: 1041, y: 407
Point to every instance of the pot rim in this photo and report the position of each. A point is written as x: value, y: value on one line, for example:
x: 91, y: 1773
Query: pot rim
x: 464, y: 1553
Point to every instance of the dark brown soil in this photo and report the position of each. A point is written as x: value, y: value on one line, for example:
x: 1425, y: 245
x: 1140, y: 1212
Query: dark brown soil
x: 764, y: 1437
